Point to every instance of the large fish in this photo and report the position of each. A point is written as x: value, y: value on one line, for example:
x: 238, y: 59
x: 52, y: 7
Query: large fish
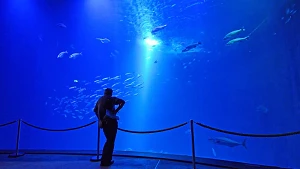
x: 75, y: 55
x: 61, y: 54
x: 233, y: 33
x: 192, y: 46
x: 227, y: 142
x: 236, y: 40
x: 157, y: 29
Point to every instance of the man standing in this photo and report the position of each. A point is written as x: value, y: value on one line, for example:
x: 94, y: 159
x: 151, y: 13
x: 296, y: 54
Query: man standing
x: 106, y: 113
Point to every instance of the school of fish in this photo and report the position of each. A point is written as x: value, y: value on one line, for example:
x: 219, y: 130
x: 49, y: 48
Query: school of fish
x: 82, y: 95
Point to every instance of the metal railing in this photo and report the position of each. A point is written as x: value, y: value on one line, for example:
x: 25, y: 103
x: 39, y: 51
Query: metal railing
x: 97, y: 157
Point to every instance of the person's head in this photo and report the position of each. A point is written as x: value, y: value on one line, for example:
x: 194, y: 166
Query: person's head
x: 108, y: 92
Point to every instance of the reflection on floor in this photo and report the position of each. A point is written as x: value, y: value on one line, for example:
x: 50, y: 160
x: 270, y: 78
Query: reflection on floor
x: 124, y: 160
x: 82, y: 162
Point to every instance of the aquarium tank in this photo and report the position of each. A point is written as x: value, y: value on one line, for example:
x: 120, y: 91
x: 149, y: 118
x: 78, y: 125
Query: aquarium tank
x: 226, y: 64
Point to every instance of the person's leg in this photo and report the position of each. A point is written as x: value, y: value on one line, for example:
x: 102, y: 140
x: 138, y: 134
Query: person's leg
x: 110, y: 130
x: 106, y: 146
x: 112, y: 138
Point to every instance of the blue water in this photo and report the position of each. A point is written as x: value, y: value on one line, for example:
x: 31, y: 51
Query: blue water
x: 250, y: 87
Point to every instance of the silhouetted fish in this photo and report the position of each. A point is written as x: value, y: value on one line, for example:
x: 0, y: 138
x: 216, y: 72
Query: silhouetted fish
x: 227, y: 142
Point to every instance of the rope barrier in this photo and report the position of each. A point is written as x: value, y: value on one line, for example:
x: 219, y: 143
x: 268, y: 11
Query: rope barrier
x: 247, y: 134
x: 9, y: 123
x: 162, y: 130
x: 58, y: 130
x: 153, y: 131
x: 98, y: 158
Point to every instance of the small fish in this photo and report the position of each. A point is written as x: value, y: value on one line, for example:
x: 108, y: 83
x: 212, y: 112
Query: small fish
x: 61, y: 25
x: 97, y: 81
x: 61, y: 54
x: 73, y: 87
x: 236, y: 40
x: 214, y: 152
x: 227, y: 142
x: 293, y: 12
x: 115, y: 78
x: 128, y: 79
x: 128, y: 85
x: 115, y: 84
x: 40, y: 38
x: 233, y: 33
x: 106, y: 78
x: 85, y: 96
x: 93, y: 117
x: 140, y: 84
x: 104, y: 85
x: 75, y: 55
x: 188, y: 131
x: 262, y: 109
x: 288, y: 20
x: 103, y: 40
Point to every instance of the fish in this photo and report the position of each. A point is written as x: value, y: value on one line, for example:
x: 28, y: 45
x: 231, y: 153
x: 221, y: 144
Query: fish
x: 103, y: 40
x: 227, y: 142
x: 115, y: 84
x: 236, y: 40
x: 157, y: 29
x: 138, y: 85
x: 233, y: 33
x: 128, y: 79
x: 61, y: 25
x: 105, y: 78
x: 61, y: 54
x: 77, y: 100
x: 288, y: 20
x: 115, y: 78
x: 40, y: 38
x: 80, y: 98
x: 214, y: 152
x: 75, y: 55
x: 192, y: 46
x: 262, y: 108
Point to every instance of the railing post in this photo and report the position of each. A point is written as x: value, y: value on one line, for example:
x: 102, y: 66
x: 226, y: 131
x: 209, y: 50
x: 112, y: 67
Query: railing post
x: 193, y: 144
x: 17, y: 153
x: 97, y: 158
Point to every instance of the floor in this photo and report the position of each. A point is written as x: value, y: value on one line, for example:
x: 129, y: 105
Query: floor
x: 34, y: 161
x: 43, y: 159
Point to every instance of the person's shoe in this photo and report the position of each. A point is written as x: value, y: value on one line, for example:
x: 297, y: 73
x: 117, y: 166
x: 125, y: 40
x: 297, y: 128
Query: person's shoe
x: 107, y: 163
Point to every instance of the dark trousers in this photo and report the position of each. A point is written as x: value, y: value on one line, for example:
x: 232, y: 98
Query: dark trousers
x: 110, y: 128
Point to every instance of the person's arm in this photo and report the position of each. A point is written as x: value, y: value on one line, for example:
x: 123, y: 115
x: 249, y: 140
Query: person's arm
x: 119, y: 102
x: 96, y: 110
